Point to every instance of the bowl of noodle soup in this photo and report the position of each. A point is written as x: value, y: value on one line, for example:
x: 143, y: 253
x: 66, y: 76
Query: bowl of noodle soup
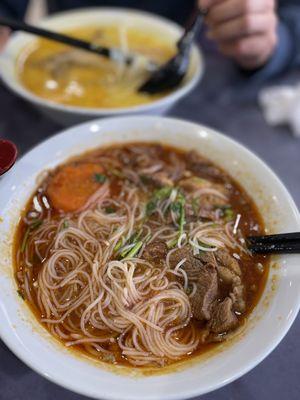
x: 73, y: 86
x: 105, y: 281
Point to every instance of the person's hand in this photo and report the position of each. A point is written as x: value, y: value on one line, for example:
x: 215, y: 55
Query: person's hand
x: 4, y: 34
x: 243, y: 29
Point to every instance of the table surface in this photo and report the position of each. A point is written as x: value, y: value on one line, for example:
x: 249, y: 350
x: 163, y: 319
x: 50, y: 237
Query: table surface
x: 222, y: 100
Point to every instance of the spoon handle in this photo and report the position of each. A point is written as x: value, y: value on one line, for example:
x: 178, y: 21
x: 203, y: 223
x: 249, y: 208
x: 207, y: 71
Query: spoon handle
x: 192, y: 29
x: 65, y: 39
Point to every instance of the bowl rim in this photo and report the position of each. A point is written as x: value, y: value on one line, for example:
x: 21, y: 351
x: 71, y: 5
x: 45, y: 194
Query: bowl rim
x: 16, y: 85
x: 57, y: 378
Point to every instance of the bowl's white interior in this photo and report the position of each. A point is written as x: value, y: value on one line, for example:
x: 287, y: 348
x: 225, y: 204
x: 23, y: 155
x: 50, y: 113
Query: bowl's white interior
x: 90, y: 17
x: 268, y: 324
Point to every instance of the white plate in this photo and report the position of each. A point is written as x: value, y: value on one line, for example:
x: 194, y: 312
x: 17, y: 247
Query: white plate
x: 268, y: 324
x: 69, y: 115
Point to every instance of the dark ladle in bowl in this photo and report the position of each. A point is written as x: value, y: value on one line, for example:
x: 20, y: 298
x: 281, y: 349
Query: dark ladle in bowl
x: 171, y: 74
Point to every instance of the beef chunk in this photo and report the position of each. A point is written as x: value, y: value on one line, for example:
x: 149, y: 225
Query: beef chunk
x: 237, y: 295
x: 223, y: 318
x: 211, y: 195
x: 225, y: 274
x: 195, y: 183
x: 158, y: 179
x: 229, y: 272
x: 155, y: 252
x: 203, y: 168
x: 201, y: 270
x: 206, y: 292
x: 225, y: 259
x: 193, y: 263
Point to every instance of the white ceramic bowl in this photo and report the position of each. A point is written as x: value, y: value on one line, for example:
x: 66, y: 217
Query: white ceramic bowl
x: 69, y: 115
x: 268, y: 324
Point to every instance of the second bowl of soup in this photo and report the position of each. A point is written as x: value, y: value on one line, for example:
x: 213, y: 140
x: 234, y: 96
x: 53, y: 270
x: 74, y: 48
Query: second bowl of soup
x: 72, y: 85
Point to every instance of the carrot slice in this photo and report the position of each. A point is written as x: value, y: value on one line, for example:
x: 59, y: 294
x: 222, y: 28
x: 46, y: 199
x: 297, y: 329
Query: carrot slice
x: 72, y: 185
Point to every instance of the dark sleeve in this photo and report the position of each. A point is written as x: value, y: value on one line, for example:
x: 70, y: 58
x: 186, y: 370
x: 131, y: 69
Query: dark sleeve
x: 287, y: 53
x: 13, y: 8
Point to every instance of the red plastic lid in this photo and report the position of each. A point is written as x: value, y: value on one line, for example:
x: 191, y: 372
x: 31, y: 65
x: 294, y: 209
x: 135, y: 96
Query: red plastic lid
x: 8, y: 155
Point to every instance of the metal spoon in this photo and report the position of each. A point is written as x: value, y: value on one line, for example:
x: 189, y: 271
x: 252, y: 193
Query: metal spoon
x: 172, y: 73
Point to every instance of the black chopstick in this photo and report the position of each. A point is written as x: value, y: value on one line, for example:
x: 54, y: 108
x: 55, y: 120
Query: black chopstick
x: 58, y: 37
x: 286, y: 243
x: 275, y: 238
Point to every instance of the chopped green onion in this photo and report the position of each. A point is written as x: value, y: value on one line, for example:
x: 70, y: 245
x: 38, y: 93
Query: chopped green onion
x: 145, y: 179
x: 20, y: 293
x: 36, y: 224
x: 207, y: 246
x: 163, y: 193
x: 119, y: 244
x: 99, y: 178
x: 181, y: 219
x: 176, y: 207
x: 117, y: 173
x: 109, y: 210
x: 30, y: 228
x: 150, y: 208
x: 195, y: 206
x: 229, y: 214
x: 65, y: 224
x: 132, y: 252
x: 158, y: 195
x: 172, y: 243
x: 109, y: 357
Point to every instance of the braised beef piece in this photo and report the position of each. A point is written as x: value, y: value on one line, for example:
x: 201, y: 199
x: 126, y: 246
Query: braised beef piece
x: 192, y: 263
x: 216, y: 196
x: 225, y: 274
x: 158, y: 179
x: 203, y: 168
x: 225, y: 259
x: 237, y: 295
x: 155, y: 252
x: 194, y: 183
x: 229, y: 272
x: 223, y: 319
x: 206, y: 293
x: 211, y: 271
x: 200, y: 270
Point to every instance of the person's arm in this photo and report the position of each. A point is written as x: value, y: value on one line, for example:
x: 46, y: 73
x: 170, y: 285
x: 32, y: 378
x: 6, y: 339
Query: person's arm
x: 262, y: 40
x: 287, y: 53
x: 244, y: 30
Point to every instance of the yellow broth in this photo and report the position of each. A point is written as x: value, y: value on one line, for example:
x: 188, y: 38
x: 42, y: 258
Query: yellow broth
x: 73, y: 77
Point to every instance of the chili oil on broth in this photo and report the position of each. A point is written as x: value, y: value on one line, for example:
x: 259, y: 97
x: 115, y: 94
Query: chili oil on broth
x: 73, y: 77
x: 134, y: 168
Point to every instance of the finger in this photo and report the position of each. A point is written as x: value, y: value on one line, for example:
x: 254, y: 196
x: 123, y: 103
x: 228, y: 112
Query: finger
x: 4, y: 35
x: 230, y: 9
x: 206, y: 4
x: 251, y: 51
x: 244, y: 26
